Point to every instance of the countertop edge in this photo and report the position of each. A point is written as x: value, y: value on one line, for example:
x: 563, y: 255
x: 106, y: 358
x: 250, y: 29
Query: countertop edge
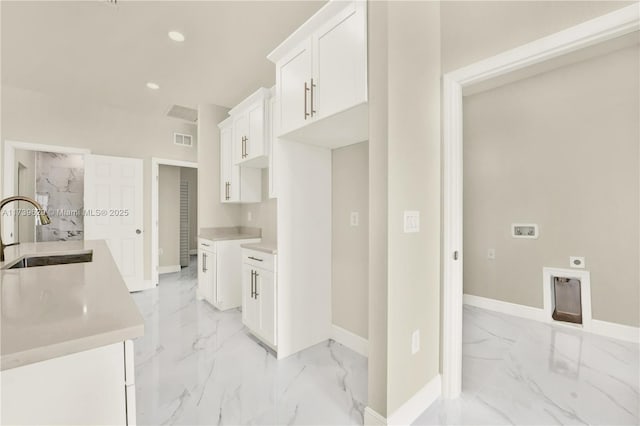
x: 57, y: 350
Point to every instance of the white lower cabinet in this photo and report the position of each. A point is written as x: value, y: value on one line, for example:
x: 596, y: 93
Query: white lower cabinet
x: 90, y: 387
x: 259, y: 295
x: 219, y: 279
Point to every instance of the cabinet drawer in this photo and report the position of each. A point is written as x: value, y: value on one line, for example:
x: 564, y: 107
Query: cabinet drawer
x: 258, y: 259
x: 207, y: 245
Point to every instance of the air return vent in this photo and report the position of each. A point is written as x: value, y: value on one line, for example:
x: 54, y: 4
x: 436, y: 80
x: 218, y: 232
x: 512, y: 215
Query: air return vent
x: 183, y: 113
x: 182, y: 139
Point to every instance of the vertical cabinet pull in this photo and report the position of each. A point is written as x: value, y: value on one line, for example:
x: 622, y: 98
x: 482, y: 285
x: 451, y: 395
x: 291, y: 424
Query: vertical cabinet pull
x: 245, y: 151
x: 255, y: 278
x: 204, y: 262
x: 313, y: 111
x: 227, y: 190
x: 306, y: 89
x: 252, y: 282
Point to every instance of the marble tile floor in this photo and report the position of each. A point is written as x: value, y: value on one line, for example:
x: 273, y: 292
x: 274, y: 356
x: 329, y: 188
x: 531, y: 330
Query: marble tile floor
x: 523, y: 372
x: 196, y: 365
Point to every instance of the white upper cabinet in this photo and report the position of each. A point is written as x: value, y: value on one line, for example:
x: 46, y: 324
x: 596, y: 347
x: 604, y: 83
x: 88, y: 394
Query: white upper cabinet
x: 294, y: 87
x: 237, y: 184
x: 321, y: 77
x: 251, y: 130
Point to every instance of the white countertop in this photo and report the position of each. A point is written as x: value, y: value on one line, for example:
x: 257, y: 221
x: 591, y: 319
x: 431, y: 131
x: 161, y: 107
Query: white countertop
x: 230, y: 233
x: 264, y: 247
x: 51, y: 311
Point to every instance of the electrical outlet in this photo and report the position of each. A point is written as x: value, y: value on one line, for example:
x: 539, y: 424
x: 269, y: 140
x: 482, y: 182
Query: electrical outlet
x: 411, y: 221
x: 415, y: 342
x: 576, y: 262
x: 249, y: 216
x: 355, y: 219
x: 491, y: 254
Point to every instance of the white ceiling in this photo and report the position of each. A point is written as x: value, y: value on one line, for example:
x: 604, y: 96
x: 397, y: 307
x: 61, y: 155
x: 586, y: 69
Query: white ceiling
x: 95, y: 51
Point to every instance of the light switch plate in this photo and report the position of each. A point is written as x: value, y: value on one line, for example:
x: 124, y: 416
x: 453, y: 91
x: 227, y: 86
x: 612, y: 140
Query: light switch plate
x: 355, y: 219
x: 411, y: 221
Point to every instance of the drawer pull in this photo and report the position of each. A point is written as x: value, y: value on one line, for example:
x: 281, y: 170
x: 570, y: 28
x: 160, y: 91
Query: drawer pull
x: 255, y: 258
x: 205, y: 244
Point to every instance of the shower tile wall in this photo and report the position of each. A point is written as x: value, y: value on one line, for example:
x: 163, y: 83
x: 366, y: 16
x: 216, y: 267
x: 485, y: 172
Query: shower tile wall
x: 60, y: 190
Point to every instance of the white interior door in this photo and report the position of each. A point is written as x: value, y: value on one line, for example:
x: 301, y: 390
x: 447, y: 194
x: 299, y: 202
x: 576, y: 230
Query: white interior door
x: 113, y: 200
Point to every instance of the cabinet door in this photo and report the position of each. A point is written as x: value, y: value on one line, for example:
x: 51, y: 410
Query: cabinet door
x: 207, y: 275
x: 254, y: 145
x: 273, y: 146
x: 240, y: 133
x: 340, y: 62
x: 267, y: 300
x: 226, y: 164
x: 250, y: 307
x: 293, y: 81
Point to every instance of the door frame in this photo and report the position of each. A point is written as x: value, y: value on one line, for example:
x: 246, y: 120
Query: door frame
x: 606, y: 27
x: 155, y: 240
x: 8, y: 166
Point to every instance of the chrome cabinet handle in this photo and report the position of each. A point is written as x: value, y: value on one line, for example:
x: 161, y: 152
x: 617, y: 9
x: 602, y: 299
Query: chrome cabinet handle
x: 313, y: 111
x: 252, y: 282
x: 138, y: 231
x: 204, y: 262
x: 306, y: 89
x: 255, y: 258
x: 255, y: 292
x: 205, y: 244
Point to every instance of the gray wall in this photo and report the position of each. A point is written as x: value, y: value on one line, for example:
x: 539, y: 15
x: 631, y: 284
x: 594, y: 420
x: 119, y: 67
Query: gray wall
x: 560, y: 150
x: 31, y: 116
x: 169, y: 215
x: 263, y: 214
x: 211, y: 212
x: 404, y: 88
x: 350, y: 244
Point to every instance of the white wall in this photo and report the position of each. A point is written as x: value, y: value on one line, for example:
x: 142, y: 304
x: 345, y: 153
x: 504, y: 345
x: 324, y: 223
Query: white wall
x: 350, y: 244
x: 561, y: 150
x: 34, y: 117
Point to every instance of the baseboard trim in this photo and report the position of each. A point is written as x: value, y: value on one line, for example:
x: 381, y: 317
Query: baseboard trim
x: 508, y: 308
x: 373, y: 418
x: 616, y: 331
x: 351, y: 340
x: 411, y: 410
x: 603, y: 328
x: 168, y: 269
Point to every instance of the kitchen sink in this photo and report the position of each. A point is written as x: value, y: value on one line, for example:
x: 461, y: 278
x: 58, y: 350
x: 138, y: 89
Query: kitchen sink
x: 31, y: 261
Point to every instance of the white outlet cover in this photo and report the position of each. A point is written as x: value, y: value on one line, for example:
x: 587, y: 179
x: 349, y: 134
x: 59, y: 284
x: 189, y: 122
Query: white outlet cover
x: 491, y: 254
x: 411, y: 221
x: 576, y: 262
x: 415, y: 342
x: 354, y: 219
x: 249, y: 216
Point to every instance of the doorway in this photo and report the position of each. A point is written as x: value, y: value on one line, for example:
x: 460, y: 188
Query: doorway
x: 534, y: 56
x: 174, y: 215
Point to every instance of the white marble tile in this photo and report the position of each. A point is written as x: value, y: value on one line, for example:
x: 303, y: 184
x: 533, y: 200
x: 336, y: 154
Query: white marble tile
x: 517, y: 371
x: 197, y: 365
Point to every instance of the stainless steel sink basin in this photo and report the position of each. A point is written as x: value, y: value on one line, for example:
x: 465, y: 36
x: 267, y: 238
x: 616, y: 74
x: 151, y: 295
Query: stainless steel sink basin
x: 52, y: 259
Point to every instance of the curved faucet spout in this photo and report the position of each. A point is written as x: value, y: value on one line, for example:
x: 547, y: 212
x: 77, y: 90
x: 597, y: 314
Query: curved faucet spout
x: 44, y: 217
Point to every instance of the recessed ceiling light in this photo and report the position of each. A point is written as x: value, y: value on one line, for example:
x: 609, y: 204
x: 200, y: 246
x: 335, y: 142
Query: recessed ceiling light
x: 176, y: 36
x: 153, y: 86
